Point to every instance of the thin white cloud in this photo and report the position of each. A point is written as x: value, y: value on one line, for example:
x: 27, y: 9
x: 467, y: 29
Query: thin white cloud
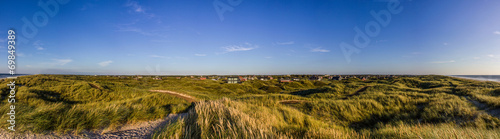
x: 285, y: 43
x: 319, y: 50
x: 181, y: 58
x: 20, y: 54
x: 133, y: 29
x: 86, y: 6
x: 491, y: 55
x: 235, y: 48
x: 60, y: 61
x: 105, y: 63
x: 135, y: 7
x: 161, y: 41
x: 38, y: 45
x: 129, y: 28
x: 441, y: 62
x: 157, y: 56
x: 497, y: 32
x: 445, y: 43
x: 200, y: 54
x: 268, y: 57
x: 412, y: 54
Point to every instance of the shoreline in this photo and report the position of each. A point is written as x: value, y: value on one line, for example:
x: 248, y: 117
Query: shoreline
x: 13, y: 76
x: 476, y: 79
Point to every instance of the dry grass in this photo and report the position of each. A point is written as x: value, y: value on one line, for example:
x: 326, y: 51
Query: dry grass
x: 292, y: 101
x: 183, y: 96
x: 408, y: 107
x: 440, y: 131
x: 226, y: 118
x: 213, y: 119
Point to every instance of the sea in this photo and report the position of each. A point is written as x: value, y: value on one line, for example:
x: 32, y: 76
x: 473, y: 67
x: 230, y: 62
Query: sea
x: 8, y: 75
x: 495, y: 78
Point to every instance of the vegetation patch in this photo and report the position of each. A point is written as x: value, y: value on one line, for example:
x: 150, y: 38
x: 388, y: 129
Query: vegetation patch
x: 405, y: 107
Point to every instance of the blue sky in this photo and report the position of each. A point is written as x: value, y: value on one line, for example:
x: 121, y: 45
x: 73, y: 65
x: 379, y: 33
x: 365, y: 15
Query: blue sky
x: 256, y: 37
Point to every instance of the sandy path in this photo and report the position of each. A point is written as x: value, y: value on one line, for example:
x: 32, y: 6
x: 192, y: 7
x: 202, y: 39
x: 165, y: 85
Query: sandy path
x: 183, y: 96
x: 291, y: 101
x: 492, y: 111
x: 141, y: 130
x: 358, y: 91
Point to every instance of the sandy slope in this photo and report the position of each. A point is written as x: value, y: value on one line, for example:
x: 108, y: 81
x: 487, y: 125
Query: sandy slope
x: 492, y: 111
x: 183, y: 96
x: 140, y: 131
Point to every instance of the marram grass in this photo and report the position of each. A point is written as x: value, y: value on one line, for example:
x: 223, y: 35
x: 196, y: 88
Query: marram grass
x: 405, y: 107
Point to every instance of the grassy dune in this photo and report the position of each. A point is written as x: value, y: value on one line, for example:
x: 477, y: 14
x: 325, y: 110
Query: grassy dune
x: 55, y: 103
x: 407, y: 107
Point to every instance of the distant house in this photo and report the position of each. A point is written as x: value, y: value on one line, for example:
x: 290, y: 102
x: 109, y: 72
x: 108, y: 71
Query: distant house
x: 270, y: 77
x: 233, y: 80
x: 243, y: 78
x: 203, y: 78
x: 178, y: 77
x: 265, y: 78
x: 157, y: 78
x: 253, y: 77
x: 363, y: 78
x: 329, y: 77
x: 336, y: 78
x: 286, y: 80
x: 249, y: 78
x: 296, y: 79
x: 137, y: 77
x: 315, y: 78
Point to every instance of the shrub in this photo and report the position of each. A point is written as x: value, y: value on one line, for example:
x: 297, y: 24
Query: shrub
x: 496, y: 92
x: 271, y: 89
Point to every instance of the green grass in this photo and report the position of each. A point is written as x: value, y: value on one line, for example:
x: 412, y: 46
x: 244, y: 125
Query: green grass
x: 170, y: 130
x: 434, y: 131
x: 52, y: 103
x: 405, y: 107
